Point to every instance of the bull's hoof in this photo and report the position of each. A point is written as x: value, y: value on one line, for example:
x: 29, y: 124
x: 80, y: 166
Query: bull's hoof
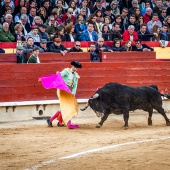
x: 149, y: 122
x: 168, y: 123
x: 126, y: 127
x: 98, y: 126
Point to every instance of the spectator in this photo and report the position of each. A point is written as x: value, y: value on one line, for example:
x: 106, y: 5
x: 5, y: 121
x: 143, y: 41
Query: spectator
x: 144, y: 34
x: 57, y: 17
x: 167, y: 21
x: 31, y: 15
x: 46, y: 5
x: 134, y: 5
x: 80, y: 26
x: 115, y: 8
x: 9, y: 20
x: 34, y: 57
x: 147, y: 5
x: 17, y: 17
x: 19, y: 7
x: 19, y: 36
x: 156, y: 33
x: 76, y: 47
x: 162, y: 15
x: 118, y: 19
x: 2, y: 51
x: 99, y: 15
x: 83, y: 5
x: 100, y: 46
x: 94, y: 55
x: 137, y: 13
x: 5, y: 34
x: 107, y: 21
x: 140, y: 21
x: 141, y: 47
x: 141, y: 4
x: 105, y: 32
x: 124, y: 17
x: 164, y: 33
x: 114, y: 32
x: 97, y: 6
x: 130, y: 34
x: 42, y: 14
x: 128, y: 45
x: 158, y: 7
x: 34, y: 34
x: 28, y: 47
x: 72, y: 5
x: 153, y: 22
x: 89, y: 34
x: 83, y: 12
x: 60, y: 33
x: 59, y: 7
x: 132, y: 21
x: 148, y: 15
x: 92, y: 19
x: 51, y: 27
x: 68, y: 15
x: 43, y: 45
x: 25, y: 25
x: 108, y: 12
x: 117, y: 46
x: 57, y: 47
x: 42, y: 33
x: 21, y: 58
x: 70, y: 36
x: 37, y: 21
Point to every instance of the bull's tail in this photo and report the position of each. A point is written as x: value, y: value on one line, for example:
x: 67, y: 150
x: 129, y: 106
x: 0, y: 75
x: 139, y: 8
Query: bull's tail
x: 86, y: 106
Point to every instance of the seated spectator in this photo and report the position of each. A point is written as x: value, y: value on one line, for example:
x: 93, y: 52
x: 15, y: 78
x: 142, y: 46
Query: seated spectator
x: 106, y: 21
x: 139, y: 21
x: 164, y: 33
x: 134, y: 6
x: 117, y: 46
x: 128, y: 45
x: 130, y: 34
x: 59, y: 7
x: 100, y: 46
x: 34, y: 34
x: 167, y: 21
x: 153, y: 22
x: 43, y: 45
x: 89, y: 34
x: 57, y: 47
x: 17, y: 17
x: 76, y: 47
x: 97, y: 6
x: 105, y: 32
x: 42, y: 13
x: 9, y: 20
x: 94, y: 54
x: 69, y: 33
x: 2, y: 51
x: 84, y: 5
x: 144, y: 34
x: 37, y: 21
x: 158, y: 7
x: 115, y: 8
x: 21, y: 57
x: 80, y: 26
x: 57, y: 16
x: 147, y: 5
x: 42, y: 33
x: 108, y: 12
x: 5, y: 34
x: 141, y: 47
x: 162, y: 16
x: 156, y: 32
x: 60, y: 33
x: 148, y: 15
x: 114, y: 32
x: 19, y: 36
x: 69, y: 15
x: 132, y: 21
x: 28, y: 47
x: 34, y: 57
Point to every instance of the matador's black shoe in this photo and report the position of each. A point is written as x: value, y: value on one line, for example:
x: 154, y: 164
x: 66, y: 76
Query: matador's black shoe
x: 60, y: 125
x: 49, y: 123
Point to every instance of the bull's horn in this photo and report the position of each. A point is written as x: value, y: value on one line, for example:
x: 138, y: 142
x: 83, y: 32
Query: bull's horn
x: 95, y: 96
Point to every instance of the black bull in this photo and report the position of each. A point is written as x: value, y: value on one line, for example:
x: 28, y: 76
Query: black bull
x: 120, y: 99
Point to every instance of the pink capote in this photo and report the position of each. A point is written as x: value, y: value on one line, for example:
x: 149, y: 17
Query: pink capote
x: 68, y: 102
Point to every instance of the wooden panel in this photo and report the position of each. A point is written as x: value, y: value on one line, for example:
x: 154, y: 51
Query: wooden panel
x: 8, y: 58
x: 127, y: 56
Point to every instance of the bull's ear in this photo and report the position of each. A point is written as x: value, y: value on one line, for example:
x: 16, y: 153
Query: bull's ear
x: 95, y: 96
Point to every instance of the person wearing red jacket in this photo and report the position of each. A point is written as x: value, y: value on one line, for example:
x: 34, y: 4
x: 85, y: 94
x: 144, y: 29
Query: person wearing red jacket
x: 130, y: 34
x: 69, y: 15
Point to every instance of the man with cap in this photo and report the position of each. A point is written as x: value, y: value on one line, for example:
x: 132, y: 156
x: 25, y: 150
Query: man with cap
x: 43, y: 45
x: 21, y: 58
x: 42, y: 32
x: 108, y: 12
x: 57, y: 47
x: 69, y: 15
x: 70, y: 77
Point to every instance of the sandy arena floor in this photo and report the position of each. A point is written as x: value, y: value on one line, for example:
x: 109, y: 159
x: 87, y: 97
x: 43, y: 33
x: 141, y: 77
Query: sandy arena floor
x: 33, y: 145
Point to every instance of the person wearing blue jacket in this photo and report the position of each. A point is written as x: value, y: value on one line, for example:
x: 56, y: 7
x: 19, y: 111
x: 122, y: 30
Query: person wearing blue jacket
x: 89, y: 34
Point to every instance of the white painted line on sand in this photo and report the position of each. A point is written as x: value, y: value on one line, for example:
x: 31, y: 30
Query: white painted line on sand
x: 93, y: 151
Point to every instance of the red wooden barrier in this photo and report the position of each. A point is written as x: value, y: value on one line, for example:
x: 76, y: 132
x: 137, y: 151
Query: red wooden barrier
x: 19, y: 82
x: 127, y: 56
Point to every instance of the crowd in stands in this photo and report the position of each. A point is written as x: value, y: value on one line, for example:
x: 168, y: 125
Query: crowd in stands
x: 57, y: 21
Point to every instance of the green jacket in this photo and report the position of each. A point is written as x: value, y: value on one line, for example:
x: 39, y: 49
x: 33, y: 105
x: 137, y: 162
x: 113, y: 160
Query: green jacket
x: 33, y: 59
x: 6, y: 36
x: 70, y: 79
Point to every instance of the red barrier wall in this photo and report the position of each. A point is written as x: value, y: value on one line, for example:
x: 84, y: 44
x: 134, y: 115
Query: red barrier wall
x: 19, y: 82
